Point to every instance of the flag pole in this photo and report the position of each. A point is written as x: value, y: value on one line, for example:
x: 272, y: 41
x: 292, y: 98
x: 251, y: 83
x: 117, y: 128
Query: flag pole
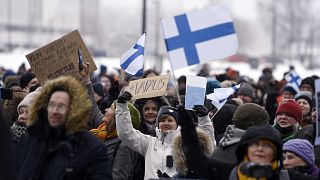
x: 214, y: 114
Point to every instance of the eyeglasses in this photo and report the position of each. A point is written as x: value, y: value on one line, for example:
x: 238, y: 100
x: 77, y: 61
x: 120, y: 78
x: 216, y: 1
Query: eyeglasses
x: 263, y: 145
x: 61, y: 108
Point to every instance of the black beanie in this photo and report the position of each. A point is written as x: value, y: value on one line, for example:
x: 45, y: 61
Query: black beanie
x: 170, y: 111
x: 26, y: 78
x: 98, y: 88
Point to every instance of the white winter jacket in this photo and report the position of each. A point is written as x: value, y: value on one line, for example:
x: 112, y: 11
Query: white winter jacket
x: 154, y: 149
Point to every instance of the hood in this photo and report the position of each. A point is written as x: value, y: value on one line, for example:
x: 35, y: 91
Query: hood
x: 231, y: 136
x: 178, y: 155
x: 258, y: 132
x: 80, y: 104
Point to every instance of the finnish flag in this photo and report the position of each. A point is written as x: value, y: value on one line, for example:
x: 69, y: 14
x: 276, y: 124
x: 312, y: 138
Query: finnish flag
x: 199, y: 36
x: 132, y: 61
x: 220, y: 95
x: 293, y: 80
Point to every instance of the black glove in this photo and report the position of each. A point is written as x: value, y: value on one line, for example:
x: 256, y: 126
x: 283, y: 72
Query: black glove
x: 200, y: 110
x: 124, y: 97
x: 185, y: 117
x: 162, y: 175
x: 114, y: 91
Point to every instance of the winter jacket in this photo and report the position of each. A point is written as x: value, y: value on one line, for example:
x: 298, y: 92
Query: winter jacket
x: 156, y: 150
x: 225, y: 151
x: 66, y: 152
x: 124, y: 164
x: 197, y: 162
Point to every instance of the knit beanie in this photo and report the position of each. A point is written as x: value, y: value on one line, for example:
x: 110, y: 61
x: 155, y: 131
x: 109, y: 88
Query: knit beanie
x: 7, y: 73
x: 291, y: 108
x: 301, y: 148
x: 29, y: 98
x: 246, y: 90
x: 308, y: 80
x: 305, y: 95
x: 170, y: 111
x: 98, y: 88
x: 290, y: 89
x: 26, y: 78
x: 250, y: 114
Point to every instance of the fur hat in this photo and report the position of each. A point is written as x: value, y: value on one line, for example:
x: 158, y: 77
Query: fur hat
x: 246, y: 90
x: 98, y: 88
x: 291, y: 108
x: 301, y: 148
x: 250, y: 114
x: 26, y: 78
x: 29, y: 98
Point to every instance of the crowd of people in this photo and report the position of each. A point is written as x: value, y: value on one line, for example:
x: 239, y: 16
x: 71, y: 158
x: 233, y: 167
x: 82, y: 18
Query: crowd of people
x: 88, y: 127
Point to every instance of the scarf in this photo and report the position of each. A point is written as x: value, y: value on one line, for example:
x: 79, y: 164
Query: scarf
x: 243, y: 176
x: 102, y: 133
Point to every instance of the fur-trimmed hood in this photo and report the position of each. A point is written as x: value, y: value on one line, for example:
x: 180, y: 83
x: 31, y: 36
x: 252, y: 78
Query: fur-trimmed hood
x: 178, y: 155
x: 80, y: 104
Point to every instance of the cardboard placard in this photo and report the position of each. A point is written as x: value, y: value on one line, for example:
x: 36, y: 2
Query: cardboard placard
x: 148, y: 87
x: 59, y: 57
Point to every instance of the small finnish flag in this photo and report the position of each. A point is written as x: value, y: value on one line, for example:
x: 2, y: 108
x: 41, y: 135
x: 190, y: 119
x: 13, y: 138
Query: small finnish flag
x: 293, y: 80
x: 132, y: 61
x: 199, y: 36
x: 220, y: 95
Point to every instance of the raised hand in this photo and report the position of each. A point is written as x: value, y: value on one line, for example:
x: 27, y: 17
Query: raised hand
x: 124, y: 97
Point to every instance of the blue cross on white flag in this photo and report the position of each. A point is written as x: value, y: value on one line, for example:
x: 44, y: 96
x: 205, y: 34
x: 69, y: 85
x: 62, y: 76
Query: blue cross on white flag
x: 220, y: 95
x: 132, y: 60
x: 199, y: 36
x: 293, y: 80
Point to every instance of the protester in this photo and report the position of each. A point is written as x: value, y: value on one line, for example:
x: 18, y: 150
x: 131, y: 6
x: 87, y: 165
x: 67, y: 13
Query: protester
x: 156, y: 150
x: 100, y: 99
x: 288, y: 116
x: 304, y: 99
x: 307, y: 84
x: 60, y: 147
x: 246, y: 115
x: 259, y: 156
x: 299, y: 155
x: 288, y: 92
x: 246, y: 93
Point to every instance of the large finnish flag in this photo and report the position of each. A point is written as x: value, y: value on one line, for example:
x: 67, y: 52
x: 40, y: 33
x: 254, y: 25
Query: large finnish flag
x: 220, y: 95
x: 293, y: 80
x: 132, y: 60
x: 199, y: 36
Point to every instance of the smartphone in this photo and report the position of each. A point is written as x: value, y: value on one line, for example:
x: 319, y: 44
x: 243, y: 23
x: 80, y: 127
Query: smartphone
x: 6, y: 93
x: 80, y: 60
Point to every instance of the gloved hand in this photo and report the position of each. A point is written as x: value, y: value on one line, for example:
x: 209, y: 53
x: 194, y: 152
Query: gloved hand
x: 124, y: 97
x: 162, y: 175
x: 185, y: 117
x: 114, y: 91
x: 200, y: 110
